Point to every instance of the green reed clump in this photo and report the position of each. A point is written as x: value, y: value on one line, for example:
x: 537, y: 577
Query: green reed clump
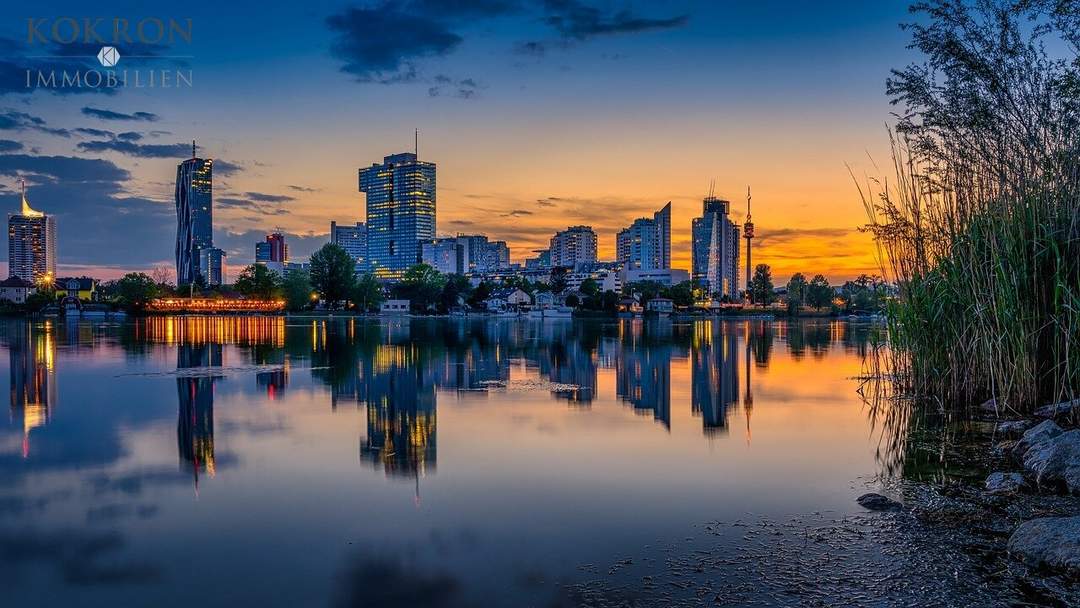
x: 980, y: 229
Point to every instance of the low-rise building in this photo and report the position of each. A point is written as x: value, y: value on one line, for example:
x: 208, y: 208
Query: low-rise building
x: 16, y: 290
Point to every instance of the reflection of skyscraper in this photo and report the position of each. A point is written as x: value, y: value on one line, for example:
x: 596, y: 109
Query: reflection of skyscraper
x: 401, y: 417
x: 195, y: 418
x: 714, y: 363
x: 194, y: 216
x: 31, y: 352
x: 643, y: 377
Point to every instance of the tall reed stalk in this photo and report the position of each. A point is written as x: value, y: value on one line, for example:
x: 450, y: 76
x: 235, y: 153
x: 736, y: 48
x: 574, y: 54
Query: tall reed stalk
x: 980, y: 227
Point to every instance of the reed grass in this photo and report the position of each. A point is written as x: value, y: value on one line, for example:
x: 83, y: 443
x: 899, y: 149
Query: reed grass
x: 979, y: 226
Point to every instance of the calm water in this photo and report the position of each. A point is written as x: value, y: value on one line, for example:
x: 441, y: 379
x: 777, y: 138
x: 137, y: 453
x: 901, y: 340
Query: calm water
x: 271, y: 461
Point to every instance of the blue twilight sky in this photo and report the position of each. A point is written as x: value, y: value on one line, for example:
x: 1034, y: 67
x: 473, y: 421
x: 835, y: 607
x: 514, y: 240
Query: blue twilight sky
x: 539, y: 114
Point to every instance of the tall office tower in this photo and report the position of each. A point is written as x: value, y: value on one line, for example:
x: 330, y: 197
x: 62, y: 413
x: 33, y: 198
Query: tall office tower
x: 31, y: 244
x: 400, y: 212
x: 573, y: 247
x: 212, y: 265
x: 194, y: 216
x: 353, y: 239
x: 716, y: 249
x: 646, y: 244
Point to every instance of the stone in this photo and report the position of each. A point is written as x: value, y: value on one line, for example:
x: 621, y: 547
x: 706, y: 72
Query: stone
x: 1049, y: 542
x: 1004, y: 483
x: 1013, y: 428
x: 1047, y: 429
x: 877, y: 502
x: 1056, y: 461
x: 1060, y: 410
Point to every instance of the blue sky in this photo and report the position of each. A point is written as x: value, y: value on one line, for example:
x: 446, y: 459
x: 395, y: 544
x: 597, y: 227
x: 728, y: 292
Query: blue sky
x: 538, y: 113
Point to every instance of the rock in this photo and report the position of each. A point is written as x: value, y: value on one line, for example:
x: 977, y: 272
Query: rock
x: 1043, y: 431
x: 1004, y: 483
x: 1060, y: 410
x: 1049, y: 542
x: 1056, y: 461
x: 1003, y: 448
x: 1013, y: 428
x: 877, y: 502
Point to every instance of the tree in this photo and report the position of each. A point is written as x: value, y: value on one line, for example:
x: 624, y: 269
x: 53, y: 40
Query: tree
x: 258, y: 281
x: 558, y: 279
x: 367, y: 294
x: 421, y: 285
x: 819, y: 293
x: 481, y: 294
x: 682, y: 294
x: 590, y: 287
x: 297, y: 289
x: 456, y: 290
x: 761, y: 286
x: 796, y: 292
x: 135, y: 290
x: 333, y: 272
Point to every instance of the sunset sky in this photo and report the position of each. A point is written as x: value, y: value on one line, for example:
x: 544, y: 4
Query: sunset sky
x: 539, y: 114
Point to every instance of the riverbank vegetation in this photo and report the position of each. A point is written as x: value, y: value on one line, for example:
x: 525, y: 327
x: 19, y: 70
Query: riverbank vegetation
x: 980, y: 227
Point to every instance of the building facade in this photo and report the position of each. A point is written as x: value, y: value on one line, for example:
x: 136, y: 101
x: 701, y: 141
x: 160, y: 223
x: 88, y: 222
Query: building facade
x: 646, y: 244
x: 31, y: 244
x: 194, y: 217
x: 716, y: 249
x: 212, y: 265
x: 353, y: 239
x: 400, y: 212
x: 573, y: 247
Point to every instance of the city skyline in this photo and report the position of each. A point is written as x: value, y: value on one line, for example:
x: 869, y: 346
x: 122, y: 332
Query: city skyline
x: 513, y: 155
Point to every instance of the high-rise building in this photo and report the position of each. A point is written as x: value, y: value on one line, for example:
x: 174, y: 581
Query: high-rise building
x: 716, y: 249
x: 353, y: 239
x: 212, y: 265
x: 400, y: 211
x: 573, y: 247
x: 194, y: 216
x: 449, y: 255
x: 646, y: 244
x: 31, y: 244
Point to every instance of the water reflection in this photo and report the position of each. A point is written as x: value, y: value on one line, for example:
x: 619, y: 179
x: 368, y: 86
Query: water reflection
x: 529, y: 427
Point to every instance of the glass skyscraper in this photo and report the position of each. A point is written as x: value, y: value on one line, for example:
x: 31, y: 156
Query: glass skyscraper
x: 716, y: 249
x: 194, y: 217
x: 400, y: 212
x: 31, y: 244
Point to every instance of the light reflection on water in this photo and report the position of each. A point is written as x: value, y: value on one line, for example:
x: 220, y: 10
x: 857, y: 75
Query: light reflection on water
x: 302, y: 461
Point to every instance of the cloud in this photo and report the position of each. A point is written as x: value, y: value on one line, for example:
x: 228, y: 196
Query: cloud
x: 269, y: 198
x: 379, y: 44
x: 13, y: 120
x: 573, y: 19
x: 8, y: 145
x: 129, y: 148
x: 91, y: 205
x: 111, y: 115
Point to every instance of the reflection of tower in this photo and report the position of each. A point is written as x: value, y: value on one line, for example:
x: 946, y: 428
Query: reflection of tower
x: 643, y: 377
x: 31, y: 353
x: 748, y: 396
x: 714, y: 375
x: 195, y: 418
x: 401, y: 421
x: 748, y: 234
